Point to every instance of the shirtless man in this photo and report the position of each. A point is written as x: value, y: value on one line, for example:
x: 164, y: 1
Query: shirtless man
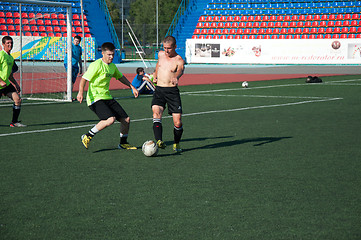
x: 169, y: 69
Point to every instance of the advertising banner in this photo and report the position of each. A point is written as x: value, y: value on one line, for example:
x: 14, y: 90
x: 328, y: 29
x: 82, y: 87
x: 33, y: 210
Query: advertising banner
x: 274, y: 51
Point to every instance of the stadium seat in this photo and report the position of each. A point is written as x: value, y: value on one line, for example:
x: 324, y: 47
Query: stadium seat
x: 76, y: 23
x: 324, y: 17
x: 291, y: 31
x: 237, y: 19
x: 358, y: 36
x: 58, y: 35
x: 26, y: 28
x: 308, y: 24
x: 214, y: 25
x: 49, y: 28
x: 311, y: 37
x: 46, y: 15
x: 355, y: 16
x: 321, y: 31
x: 9, y: 14
x: 323, y: 24
x: 298, y: 31
x: 344, y: 30
x: 270, y: 24
x: 305, y: 31
x: 39, y: 15
x: 50, y: 34
x: 11, y: 28
x: 12, y: 34
x: 40, y: 22
x: 78, y: 29
x: 218, y: 31
x: 351, y: 36
x: 36, y: 34
x: 237, y: 37
x: 343, y: 36
x: 16, y: 15
x: 283, y: 31
x: 4, y: 33
x: 3, y: 28
x: 235, y: 24
x: 196, y: 31
x: 268, y: 31
x: 332, y: 17
x: 204, y: 31
x: 61, y: 16
x: 315, y: 24
x: 34, y: 28
x: 210, y: 31
x: 353, y: 30
x: 300, y: 24
x: 42, y: 29
x: 346, y: 23
x: 2, y: 21
x: 57, y: 29
x: 47, y: 22
x: 336, y: 30
x: 329, y: 30
x: 43, y: 34
x: 9, y: 21
x: 32, y: 22
x: 293, y: 24
x: 339, y: 17
x: 53, y: 16
x: 239, y: 31
x: 2, y: 14
x: 297, y: 37
x: 274, y: 37
x: 354, y: 23
x: 76, y: 17
x: 328, y: 36
x: 330, y: 24
x: 28, y: 34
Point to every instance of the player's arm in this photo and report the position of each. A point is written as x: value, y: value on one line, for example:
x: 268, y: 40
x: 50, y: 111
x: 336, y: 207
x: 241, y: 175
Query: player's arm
x: 126, y: 82
x: 81, y: 90
x: 2, y: 83
x: 155, y: 74
x: 179, y: 72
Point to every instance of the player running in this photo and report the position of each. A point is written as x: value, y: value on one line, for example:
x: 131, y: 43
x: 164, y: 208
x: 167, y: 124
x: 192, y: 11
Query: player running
x: 99, y: 99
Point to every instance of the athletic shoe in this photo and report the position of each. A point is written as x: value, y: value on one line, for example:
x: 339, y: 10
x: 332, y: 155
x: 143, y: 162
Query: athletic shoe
x: 85, y: 140
x: 176, y: 148
x: 126, y: 146
x: 161, y: 144
x: 17, y: 124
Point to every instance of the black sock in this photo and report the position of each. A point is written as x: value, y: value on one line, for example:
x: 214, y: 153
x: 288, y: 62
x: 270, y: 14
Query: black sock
x: 157, y: 129
x: 16, y: 113
x: 178, y: 131
x: 123, y: 140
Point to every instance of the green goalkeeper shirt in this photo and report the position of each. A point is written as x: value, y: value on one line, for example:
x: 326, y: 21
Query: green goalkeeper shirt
x: 99, y: 75
x: 6, y: 65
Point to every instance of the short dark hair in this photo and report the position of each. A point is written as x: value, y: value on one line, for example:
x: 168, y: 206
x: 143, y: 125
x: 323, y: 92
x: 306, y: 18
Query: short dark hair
x: 6, y: 38
x: 77, y: 37
x: 140, y: 69
x: 107, y: 46
x: 170, y: 39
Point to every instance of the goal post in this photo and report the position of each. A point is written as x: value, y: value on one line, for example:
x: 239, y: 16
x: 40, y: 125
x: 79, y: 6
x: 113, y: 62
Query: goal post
x: 52, y: 81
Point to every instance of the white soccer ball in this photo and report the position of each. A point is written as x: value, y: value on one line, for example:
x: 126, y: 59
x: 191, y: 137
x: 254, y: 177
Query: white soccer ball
x: 245, y: 84
x: 150, y: 148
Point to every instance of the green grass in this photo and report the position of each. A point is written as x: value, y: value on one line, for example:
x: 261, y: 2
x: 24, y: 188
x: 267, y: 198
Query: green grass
x: 270, y: 167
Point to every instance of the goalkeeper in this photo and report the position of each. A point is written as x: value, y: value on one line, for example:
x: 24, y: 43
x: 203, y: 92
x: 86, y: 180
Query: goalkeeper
x: 99, y: 99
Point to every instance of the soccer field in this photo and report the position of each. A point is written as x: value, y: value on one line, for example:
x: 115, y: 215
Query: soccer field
x: 277, y: 160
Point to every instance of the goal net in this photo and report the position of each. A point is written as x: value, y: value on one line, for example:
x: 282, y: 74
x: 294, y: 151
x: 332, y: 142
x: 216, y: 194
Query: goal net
x: 42, y: 35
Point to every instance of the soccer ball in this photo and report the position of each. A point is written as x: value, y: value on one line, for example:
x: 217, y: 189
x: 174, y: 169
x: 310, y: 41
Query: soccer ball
x: 245, y: 84
x: 150, y: 148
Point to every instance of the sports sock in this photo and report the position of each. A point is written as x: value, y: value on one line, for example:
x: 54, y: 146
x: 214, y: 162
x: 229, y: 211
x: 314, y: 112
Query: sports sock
x: 92, y: 132
x: 16, y: 113
x: 157, y: 128
x: 178, y: 131
x: 123, y: 138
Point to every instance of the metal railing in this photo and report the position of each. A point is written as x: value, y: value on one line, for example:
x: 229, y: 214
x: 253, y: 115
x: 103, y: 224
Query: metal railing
x: 113, y: 33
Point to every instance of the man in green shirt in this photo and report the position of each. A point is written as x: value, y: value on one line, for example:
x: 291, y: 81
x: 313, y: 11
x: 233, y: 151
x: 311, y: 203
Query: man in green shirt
x: 8, y: 85
x: 99, y: 99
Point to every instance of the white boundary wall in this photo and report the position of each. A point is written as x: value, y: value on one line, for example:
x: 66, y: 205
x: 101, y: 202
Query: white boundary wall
x: 274, y: 51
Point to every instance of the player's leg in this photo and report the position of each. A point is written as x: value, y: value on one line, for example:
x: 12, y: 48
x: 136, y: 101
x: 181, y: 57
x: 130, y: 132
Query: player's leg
x: 106, y: 116
x: 157, y: 125
x: 177, y: 131
x: 16, y: 107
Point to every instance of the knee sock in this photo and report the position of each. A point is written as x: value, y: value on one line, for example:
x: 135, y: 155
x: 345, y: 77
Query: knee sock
x: 157, y: 128
x: 92, y: 132
x: 16, y: 113
x: 123, y: 138
x: 177, y: 133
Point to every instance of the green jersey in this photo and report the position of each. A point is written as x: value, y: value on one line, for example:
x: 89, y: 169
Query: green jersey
x: 6, y: 66
x: 99, y: 75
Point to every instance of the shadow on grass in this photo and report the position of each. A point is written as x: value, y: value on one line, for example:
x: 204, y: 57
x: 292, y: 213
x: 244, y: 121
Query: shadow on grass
x: 258, y: 142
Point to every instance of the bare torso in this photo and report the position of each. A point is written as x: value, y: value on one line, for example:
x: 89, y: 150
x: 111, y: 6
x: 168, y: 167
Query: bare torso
x: 169, y: 70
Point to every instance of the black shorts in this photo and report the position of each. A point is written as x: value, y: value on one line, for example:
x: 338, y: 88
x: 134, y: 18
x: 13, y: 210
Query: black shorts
x: 169, y: 96
x: 105, y: 109
x: 8, y: 89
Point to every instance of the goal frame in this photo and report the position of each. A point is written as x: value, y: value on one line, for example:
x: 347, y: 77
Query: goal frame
x: 68, y: 7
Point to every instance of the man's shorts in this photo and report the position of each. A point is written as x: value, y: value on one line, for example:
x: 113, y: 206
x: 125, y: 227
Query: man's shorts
x: 105, y: 109
x: 8, y: 89
x: 169, y: 96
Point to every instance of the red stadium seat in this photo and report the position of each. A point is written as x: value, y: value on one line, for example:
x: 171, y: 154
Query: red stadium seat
x: 272, y: 18
x: 291, y: 31
x: 329, y: 30
x: 225, y: 31
x: 237, y: 37
x: 346, y: 23
x: 339, y: 17
x: 76, y: 23
x: 11, y: 28
x: 237, y: 19
x: 43, y: 34
x: 281, y: 37
x: 354, y: 23
x: 235, y: 24
x: 289, y: 37
x: 265, y: 18
x: 230, y: 19
x: 246, y: 31
x: 259, y: 37
x: 254, y: 31
x: 207, y: 37
x: 242, y: 25
x: 269, y: 31
x: 76, y: 17
x: 255, y: 25
x: 270, y: 24
x: 276, y: 31
x: 321, y: 31
x: 302, y: 18
x: 214, y: 25
x: 274, y: 37
x: 232, y: 31
x: 336, y: 30
x: 2, y: 21
x: 227, y: 24
x: 42, y: 29
x: 36, y: 34
x: 2, y: 14
x: 355, y: 16
x: 223, y: 37
x: 78, y: 30
x: 17, y: 21
x: 344, y: 30
x: 358, y: 36
x: 331, y: 17
x: 308, y: 24
x: 330, y: 24
x: 351, y: 36
x: 283, y: 31
x: 297, y: 37
x: 57, y: 29
x: 293, y: 24
x: 353, y: 30
x: 49, y: 29
x: 26, y: 28
x: 243, y: 19
x: 28, y: 34
x: 32, y: 22
x: 285, y: 24
x: 46, y: 15
x: 328, y: 36
x: 215, y: 37
x: 230, y: 37
x: 343, y: 36
x: 278, y: 24
x: 298, y: 31
x: 209, y: 19
x: 223, y: 18
x: 63, y: 23
x: 324, y: 17
x: 267, y: 37
x: 323, y: 24
x: 206, y: 25
x: 196, y: 31
x: 9, y: 14
x: 12, y: 34
x: 239, y: 31
x: 249, y: 25
x: 315, y: 24
x: 300, y: 24
x: 51, y: 34
x: 3, y: 28
x: 210, y: 31
x: 32, y: 15
x: 312, y: 37
x: 305, y: 31
x: 245, y: 37
x: 215, y: 19
x: 47, y: 22
x: 34, y: 28
x: 252, y: 37
x: 204, y: 31
x: 58, y: 35
x: 40, y: 22
x: 61, y: 16
x: 309, y: 18
x: 319, y: 36
x: 250, y: 18
x: 287, y: 18
x: 347, y: 17
x: 9, y: 21
x: 258, y: 18
x: 218, y: 31
x: 55, y: 22
x: 263, y: 25
x: 279, y: 18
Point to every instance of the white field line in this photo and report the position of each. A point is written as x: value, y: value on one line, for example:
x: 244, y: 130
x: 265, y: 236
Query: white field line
x: 257, y: 96
x: 184, y: 115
